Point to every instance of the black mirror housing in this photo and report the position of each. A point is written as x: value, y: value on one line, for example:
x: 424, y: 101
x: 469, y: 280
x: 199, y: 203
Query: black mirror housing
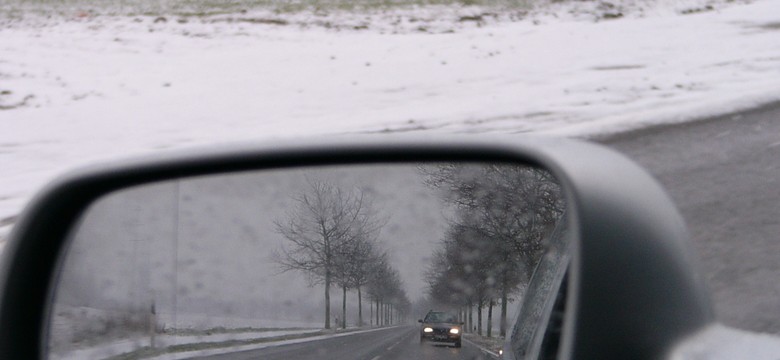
x: 630, y: 254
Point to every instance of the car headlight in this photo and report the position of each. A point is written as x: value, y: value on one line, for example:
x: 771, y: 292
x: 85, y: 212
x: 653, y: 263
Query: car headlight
x: 428, y: 330
x: 454, y: 331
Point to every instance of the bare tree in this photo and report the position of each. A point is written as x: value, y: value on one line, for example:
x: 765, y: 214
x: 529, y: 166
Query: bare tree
x: 463, y: 270
x: 324, y: 225
x: 385, y: 289
x: 366, y: 256
x: 509, y: 208
x: 353, y: 271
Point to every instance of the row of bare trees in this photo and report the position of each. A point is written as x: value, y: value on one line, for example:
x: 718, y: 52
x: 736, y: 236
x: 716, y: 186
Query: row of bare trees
x: 332, y: 237
x: 495, y: 238
x: 385, y: 289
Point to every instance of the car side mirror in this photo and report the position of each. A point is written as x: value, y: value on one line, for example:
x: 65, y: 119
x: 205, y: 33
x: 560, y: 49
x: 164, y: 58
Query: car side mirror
x: 187, y: 230
x: 419, y: 321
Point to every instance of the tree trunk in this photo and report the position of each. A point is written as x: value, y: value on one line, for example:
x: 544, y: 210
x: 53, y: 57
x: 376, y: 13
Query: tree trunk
x: 479, y: 317
x: 504, y: 299
x: 490, y: 318
x: 360, y: 308
x: 343, y: 307
x: 471, y: 318
x: 152, y: 325
x: 327, y: 299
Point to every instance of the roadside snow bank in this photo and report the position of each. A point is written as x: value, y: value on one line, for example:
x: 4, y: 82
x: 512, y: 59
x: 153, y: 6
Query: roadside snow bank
x: 219, y: 343
x: 87, y: 88
x: 92, y: 333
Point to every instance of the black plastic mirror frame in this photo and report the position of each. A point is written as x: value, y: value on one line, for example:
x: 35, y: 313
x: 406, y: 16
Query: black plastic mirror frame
x: 625, y: 229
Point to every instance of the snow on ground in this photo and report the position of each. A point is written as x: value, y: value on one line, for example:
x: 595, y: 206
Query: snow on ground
x: 116, y: 338
x: 91, y: 333
x: 78, y: 87
x: 718, y: 342
x: 203, y: 353
x: 114, y: 348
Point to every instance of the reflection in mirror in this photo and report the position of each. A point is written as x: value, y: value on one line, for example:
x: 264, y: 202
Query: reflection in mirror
x: 318, y: 262
x: 539, y: 326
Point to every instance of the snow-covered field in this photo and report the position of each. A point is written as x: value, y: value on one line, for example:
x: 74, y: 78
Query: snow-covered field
x: 79, y: 87
x: 91, y: 333
x: 118, y: 347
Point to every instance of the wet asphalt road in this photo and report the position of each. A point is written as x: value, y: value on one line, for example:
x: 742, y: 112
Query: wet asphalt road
x: 724, y: 176
x: 397, y: 343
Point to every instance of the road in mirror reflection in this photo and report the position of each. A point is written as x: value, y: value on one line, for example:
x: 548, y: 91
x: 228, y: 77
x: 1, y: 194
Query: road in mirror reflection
x: 317, y: 262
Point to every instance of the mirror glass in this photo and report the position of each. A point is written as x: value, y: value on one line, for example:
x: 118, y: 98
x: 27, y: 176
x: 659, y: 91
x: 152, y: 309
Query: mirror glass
x: 369, y: 261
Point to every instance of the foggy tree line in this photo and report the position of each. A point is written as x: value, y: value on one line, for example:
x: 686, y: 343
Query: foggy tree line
x: 390, y: 304
x: 495, y: 237
x: 332, y: 236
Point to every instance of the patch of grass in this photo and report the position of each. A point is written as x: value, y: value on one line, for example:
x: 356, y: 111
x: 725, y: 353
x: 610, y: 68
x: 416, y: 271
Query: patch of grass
x: 612, y: 15
x: 770, y: 26
x: 18, y: 104
x: 201, y: 8
x: 697, y: 10
x: 618, y: 67
x: 266, y: 21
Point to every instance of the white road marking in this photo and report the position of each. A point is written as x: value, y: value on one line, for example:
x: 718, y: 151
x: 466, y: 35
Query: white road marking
x: 390, y: 348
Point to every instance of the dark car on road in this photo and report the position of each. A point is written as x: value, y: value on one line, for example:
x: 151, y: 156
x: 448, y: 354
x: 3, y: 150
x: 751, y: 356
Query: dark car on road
x: 441, y: 327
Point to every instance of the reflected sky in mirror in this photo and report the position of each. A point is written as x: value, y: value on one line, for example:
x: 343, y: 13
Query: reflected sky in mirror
x: 204, y: 266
